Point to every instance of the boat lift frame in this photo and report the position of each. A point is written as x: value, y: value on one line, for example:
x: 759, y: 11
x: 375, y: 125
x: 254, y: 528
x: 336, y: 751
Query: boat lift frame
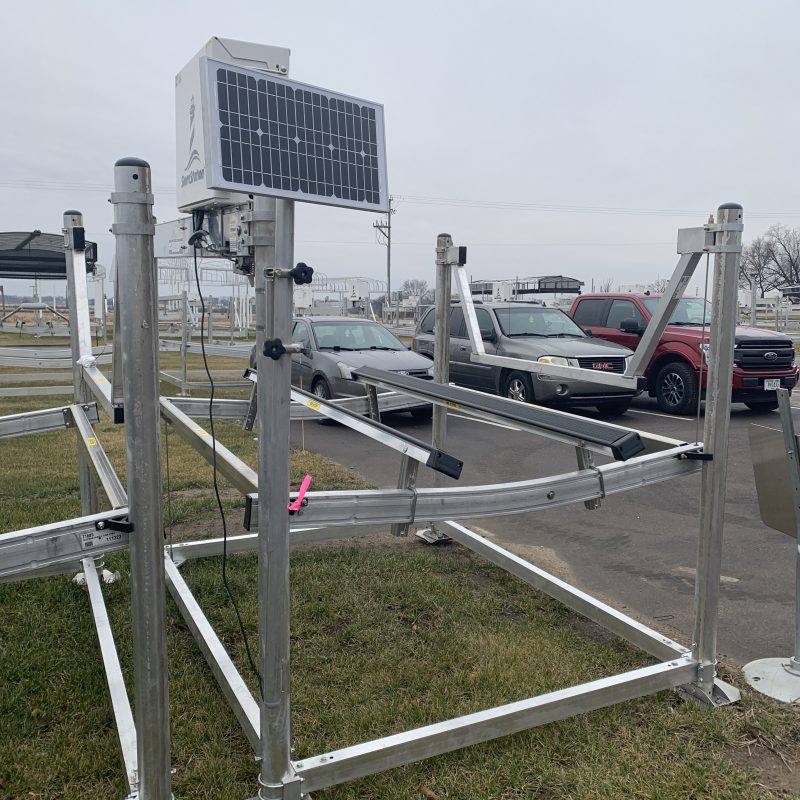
x: 134, y: 521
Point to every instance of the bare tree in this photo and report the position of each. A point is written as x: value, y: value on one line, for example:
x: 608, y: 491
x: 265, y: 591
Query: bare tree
x: 605, y: 285
x: 757, y: 262
x: 414, y: 286
x: 659, y: 285
x: 784, y: 255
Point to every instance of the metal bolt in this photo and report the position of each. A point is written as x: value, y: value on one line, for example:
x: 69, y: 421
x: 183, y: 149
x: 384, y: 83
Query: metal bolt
x: 101, y: 525
x: 551, y: 494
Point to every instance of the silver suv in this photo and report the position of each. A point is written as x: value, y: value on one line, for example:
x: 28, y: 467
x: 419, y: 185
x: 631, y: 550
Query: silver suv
x: 535, y: 333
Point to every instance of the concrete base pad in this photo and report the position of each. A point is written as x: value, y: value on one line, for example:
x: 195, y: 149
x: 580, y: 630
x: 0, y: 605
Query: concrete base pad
x: 775, y: 678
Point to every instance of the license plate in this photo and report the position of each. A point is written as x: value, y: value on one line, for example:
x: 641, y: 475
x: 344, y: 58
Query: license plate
x: 772, y: 383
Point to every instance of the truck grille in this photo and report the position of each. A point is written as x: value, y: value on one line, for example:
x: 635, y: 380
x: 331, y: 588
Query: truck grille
x: 603, y: 363
x: 756, y: 354
x: 415, y: 373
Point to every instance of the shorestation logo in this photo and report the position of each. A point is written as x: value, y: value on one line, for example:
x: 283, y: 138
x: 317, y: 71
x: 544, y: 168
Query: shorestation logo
x: 191, y: 175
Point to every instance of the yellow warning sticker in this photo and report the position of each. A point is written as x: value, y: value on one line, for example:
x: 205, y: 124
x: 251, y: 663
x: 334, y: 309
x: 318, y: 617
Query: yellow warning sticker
x: 201, y: 431
x: 450, y: 404
x: 91, y: 441
x: 314, y: 405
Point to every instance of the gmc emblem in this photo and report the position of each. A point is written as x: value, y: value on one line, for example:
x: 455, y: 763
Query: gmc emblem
x: 602, y: 365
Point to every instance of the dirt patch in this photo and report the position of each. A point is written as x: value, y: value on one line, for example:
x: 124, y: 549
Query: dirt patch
x: 591, y: 630
x: 778, y: 772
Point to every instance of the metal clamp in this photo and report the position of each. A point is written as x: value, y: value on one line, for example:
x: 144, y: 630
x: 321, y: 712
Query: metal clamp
x: 721, y: 227
x: 300, y: 274
x: 145, y: 198
x: 723, y: 248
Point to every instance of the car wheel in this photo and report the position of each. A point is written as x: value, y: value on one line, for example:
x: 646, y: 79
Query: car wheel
x: 423, y: 413
x: 518, y: 386
x: 762, y: 405
x: 321, y: 389
x: 614, y: 408
x: 676, y: 388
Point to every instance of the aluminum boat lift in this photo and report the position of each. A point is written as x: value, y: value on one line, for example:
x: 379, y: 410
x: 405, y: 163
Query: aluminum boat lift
x: 134, y: 520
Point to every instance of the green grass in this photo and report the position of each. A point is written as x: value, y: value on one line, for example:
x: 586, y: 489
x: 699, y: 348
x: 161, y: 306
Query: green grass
x: 386, y: 635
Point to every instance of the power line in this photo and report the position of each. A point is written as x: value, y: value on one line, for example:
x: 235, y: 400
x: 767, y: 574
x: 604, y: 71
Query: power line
x: 572, y: 209
x: 502, y: 205
x: 494, y: 244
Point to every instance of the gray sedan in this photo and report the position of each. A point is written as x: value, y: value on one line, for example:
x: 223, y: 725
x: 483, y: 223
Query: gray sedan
x: 334, y: 346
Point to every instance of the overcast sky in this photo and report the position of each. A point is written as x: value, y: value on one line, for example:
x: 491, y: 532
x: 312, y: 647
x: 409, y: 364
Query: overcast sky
x: 602, y: 126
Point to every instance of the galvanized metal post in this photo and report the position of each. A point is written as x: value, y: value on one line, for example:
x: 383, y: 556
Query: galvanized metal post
x: 441, y: 348
x: 753, y: 301
x: 441, y: 374
x: 184, y: 343
x: 80, y: 339
x: 274, y: 387
x: 136, y: 304
x: 707, y: 687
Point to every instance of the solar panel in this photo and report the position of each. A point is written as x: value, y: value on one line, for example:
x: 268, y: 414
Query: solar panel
x: 269, y: 135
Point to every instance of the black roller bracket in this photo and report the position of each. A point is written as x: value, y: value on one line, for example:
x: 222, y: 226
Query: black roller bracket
x: 123, y: 524
x: 274, y: 349
x: 301, y: 274
x: 696, y: 455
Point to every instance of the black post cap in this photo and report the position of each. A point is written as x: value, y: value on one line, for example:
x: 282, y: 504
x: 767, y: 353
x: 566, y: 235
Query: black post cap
x: 733, y: 206
x: 131, y: 162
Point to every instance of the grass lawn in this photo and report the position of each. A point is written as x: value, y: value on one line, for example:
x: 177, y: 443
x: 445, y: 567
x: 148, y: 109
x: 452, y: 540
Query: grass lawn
x: 386, y: 635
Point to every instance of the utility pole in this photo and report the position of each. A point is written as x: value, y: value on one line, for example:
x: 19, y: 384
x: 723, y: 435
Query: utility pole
x: 384, y: 229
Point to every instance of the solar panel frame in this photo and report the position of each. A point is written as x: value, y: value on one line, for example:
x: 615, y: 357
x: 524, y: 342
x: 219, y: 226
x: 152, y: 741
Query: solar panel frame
x: 293, y: 147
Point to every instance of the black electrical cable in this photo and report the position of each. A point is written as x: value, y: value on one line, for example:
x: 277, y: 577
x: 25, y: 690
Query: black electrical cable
x: 216, y: 485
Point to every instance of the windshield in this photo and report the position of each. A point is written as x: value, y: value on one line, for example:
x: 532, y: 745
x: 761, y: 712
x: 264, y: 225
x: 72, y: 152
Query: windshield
x: 355, y: 336
x: 689, y: 310
x: 531, y: 321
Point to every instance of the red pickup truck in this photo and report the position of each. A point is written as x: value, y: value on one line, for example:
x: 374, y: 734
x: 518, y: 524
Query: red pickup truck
x: 763, y: 360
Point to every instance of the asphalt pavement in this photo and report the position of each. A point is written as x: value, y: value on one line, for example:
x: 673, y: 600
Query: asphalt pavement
x: 638, y: 551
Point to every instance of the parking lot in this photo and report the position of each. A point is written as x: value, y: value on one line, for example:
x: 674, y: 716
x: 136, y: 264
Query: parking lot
x: 638, y: 550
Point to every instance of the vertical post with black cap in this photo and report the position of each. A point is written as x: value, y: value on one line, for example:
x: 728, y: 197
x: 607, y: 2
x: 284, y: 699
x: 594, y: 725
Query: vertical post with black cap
x: 441, y: 364
x: 80, y: 338
x: 441, y: 350
x: 724, y: 239
x: 136, y: 305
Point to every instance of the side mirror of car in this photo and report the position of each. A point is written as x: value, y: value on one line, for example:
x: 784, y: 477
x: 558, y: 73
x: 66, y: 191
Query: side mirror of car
x: 487, y: 336
x: 305, y: 351
x: 630, y: 326
x: 587, y: 331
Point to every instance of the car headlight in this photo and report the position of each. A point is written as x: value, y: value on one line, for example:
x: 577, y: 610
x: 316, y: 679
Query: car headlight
x: 345, y: 371
x: 430, y: 371
x: 705, y: 349
x: 559, y: 361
